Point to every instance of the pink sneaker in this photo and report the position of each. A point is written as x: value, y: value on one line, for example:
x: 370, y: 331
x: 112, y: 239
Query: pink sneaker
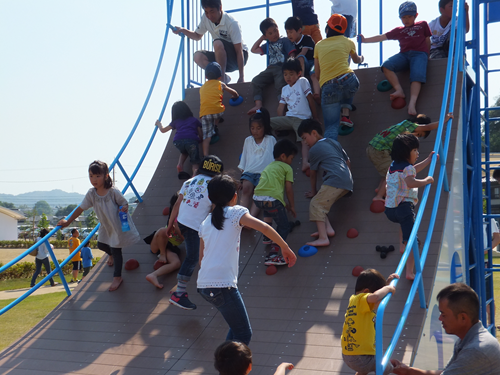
x: 346, y: 122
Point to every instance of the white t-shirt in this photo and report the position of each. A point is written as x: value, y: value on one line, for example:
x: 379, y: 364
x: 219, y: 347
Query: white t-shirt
x: 295, y: 97
x: 345, y: 7
x: 439, y: 33
x: 228, y: 29
x: 494, y: 229
x: 219, y: 266
x: 43, y: 252
x: 254, y: 157
x: 195, y: 204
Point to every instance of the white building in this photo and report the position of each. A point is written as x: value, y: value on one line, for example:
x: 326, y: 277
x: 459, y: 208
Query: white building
x: 8, y: 224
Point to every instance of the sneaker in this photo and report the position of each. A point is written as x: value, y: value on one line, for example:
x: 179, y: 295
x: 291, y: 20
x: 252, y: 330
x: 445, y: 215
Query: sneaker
x: 71, y: 281
x: 346, y: 122
x: 55, y: 284
x: 266, y: 240
x: 182, y: 301
x: 275, y: 260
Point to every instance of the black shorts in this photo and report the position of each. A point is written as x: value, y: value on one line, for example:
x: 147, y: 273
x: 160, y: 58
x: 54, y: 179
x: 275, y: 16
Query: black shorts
x: 76, y: 266
x: 232, y: 61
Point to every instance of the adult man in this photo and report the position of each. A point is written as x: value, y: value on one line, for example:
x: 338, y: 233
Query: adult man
x: 229, y: 50
x: 477, y: 351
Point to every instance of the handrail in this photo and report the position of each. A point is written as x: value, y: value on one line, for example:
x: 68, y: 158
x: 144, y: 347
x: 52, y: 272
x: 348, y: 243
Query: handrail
x: 455, y: 63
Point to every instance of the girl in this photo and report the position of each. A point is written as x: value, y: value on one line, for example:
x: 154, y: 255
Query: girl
x: 42, y: 258
x: 402, y: 189
x: 219, y: 252
x: 257, y: 154
x: 106, y: 200
x: 187, y: 136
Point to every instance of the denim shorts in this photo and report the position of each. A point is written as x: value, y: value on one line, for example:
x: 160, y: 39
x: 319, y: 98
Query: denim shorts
x: 254, y: 178
x: 190, y: 147
x: 404, y: 215
x: 416, y: 61
x: 276, y: 211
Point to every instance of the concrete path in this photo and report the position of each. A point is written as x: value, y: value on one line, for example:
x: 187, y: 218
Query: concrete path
x: 10, y: 294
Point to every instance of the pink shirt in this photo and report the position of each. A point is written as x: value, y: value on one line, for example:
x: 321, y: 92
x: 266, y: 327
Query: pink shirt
x: 411, y: 38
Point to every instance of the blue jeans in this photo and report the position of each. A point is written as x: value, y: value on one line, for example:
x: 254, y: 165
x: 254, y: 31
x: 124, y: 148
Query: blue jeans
x: 192, y: 240
x: 230, y: 304
x: 337, y: 94
x: 38, y: 264
x: 189, y: 147
x: 276, y: 211
x: 404, y: 215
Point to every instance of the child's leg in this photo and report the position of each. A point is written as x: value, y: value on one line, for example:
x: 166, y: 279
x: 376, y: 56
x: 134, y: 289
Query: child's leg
x: 46, y: 265
x: 331, y: 110
x: 259, y: 82
x: 159, y: 242
x: 278, y: 78
x: 173, y: 264
x: 394, y: 81
x: 246, y: 194
x: 381, y: 190
x: 180, y: 165
x: 76, y: 267
x: 414, y: 91
x: 220, y: 55
x: 207, y: 126
x: 406, y: 218
x: 418, y: 75
x: 117, y: 275
x: 38, y: 268
x: 330, y: 232
x: 305, y: 156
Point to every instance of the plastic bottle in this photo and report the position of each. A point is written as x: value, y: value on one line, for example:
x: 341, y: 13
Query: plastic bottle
x: 124, y: 220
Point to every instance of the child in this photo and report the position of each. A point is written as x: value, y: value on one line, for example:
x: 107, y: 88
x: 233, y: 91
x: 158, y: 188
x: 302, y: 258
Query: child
x: 379, y: 148
x: 187, y: 136
x: 190, y: 209
x: 327, y: 154
x: 235, y: 358
x: 73, y: 243
x: 337, y: 80
x: 211, y: 107
x: 257, y: 154
x: 278, y: 49
x: 268, y: 196
x: 304, y: 50
x: 219, y: 255
x: 349, y: 9
x: 304, y: 9
x: 42, y: 258
x: 358, y: 333
x: 297, y: 97
x: 402, y: 189
x: 414, y: 43
x: 106, y: 201
x: 87, y: 257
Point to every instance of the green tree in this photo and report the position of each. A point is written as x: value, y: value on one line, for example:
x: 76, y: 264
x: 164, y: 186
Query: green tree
x: 91, y: 220
x: 43, y: 222
x: 30, y: 222
x: 65, y: 211
x: 7, y: 205
x: 42, y: 207
x: 494, y: 128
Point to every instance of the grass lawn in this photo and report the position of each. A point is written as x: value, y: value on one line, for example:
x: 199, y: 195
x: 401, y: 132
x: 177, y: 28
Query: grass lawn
x: 13, y: 284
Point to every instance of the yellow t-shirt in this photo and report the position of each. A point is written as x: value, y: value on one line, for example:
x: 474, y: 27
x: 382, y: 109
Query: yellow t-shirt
x: 358, y: 333
x: 73, y: 243
x: 211, y: 98
x: 332, y: 54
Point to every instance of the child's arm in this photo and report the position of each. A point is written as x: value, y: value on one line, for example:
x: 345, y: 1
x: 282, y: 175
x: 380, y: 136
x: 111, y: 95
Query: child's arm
x: 283, y: 367
x: 424, y: 163
x: 174, y: 213
x: 428, y: 42
x: 312, y: 106
x: 256, y: 46
x: 202, y: 250
x: 289, y: 195
x: 357, y: 59
x: 64, y: 223
x: 248, y: 220
x: 313, y: 191
x: 281, y: 109
x: 412, y: 182
x: 379, y: 294
x: 433, y: 125
x: 161, y: 128
x: 317, y: 68
x: 392, y: 277
x: 233, y: 92
x: 373, y: 39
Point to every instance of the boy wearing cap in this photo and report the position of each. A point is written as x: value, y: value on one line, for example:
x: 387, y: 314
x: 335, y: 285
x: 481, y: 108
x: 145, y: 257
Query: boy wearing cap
x: 337, y: 80
x: 414, y: 42
x: 211, y: 107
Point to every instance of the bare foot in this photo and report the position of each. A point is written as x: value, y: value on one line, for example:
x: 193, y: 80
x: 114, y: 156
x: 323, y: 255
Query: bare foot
x: 397, y: 94
x: 318, y: 242
x: 376, y: 190
x: 253, y: 110
x: 377, y: 198
x: 154, y: 280
x: 328, y: 233
x: 110, y: 261
x: 410, y: 276
x: 179, y: 169
x: 117, y: 281
x: 305, y: 166
x: 412, y: 111
x: 162, y: 258
x: 402, y: 248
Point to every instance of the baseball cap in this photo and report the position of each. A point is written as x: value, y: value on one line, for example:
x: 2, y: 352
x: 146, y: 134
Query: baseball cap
x: 408, y: 8
x: 211, y: 165
x: 338, y: 22
x: 213, y: 71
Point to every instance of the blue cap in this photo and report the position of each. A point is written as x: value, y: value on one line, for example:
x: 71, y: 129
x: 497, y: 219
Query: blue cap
x: 408, y: 8
x: 213, y: 71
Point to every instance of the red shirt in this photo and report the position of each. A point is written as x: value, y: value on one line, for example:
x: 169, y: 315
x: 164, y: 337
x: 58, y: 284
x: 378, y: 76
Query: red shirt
x: 411, y: 38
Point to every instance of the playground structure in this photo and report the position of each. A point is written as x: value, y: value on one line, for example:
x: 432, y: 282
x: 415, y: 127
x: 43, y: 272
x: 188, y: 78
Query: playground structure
x: 135, y: 330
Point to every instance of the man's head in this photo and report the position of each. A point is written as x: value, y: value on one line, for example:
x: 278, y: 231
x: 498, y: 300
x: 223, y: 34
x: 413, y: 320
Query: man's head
x: 421, y: 119
x: 310, y: 131
x: 213, y: 71
x: 408, y: 13
x: 233, y: 358
x: 459, y: 307
x: 213, y: 10
x: 292, y: 70
x: 284, y: 150
x: 269, y: 29
x: 446, y: 8
x: 293, y: 27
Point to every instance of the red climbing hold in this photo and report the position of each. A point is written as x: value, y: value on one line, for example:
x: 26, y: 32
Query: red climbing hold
x: 131, y: 264
x: 166, y: 211
x: 357, y: 270
x: 271, y: 270
x: 377, y: 207
x: 398, y: 103
x: 352, y: 233
x: 158, y: 264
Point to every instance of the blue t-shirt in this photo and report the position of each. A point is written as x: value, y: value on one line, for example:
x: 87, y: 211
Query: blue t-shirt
x: 86, y: 254
x: 278, y: 51
x: 304, y: 9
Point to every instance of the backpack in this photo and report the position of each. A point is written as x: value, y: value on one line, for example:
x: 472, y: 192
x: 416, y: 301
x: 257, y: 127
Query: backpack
x: 34, y: 253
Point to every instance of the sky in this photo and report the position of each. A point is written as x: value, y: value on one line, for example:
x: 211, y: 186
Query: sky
x: 75, y: 75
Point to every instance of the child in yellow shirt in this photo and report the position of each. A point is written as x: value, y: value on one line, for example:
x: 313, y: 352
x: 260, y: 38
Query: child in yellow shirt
x: 73, y: 243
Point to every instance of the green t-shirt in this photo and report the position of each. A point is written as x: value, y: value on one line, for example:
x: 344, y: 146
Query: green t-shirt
x: 272, y: 180
x: 385, y: 139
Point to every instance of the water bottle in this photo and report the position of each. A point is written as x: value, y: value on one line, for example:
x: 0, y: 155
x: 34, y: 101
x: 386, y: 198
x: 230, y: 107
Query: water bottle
x: 124, y: 220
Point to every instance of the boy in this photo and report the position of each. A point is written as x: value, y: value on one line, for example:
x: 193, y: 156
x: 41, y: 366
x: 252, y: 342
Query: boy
x: 86, y: 254
x: 211, y: 107
x: 305, y: 10
x: 440, y: 29
x: 304, y: 50
x: 73, y: 243
x: 379, y: 148
x: 268, y: 195
x: 337, y: 179
x: 297, y: 96
x: 414, y: 42
x: 279, y: 48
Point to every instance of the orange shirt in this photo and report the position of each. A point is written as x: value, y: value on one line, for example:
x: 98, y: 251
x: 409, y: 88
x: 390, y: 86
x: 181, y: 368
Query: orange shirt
x: 211, y: 98
x: 73, y: 243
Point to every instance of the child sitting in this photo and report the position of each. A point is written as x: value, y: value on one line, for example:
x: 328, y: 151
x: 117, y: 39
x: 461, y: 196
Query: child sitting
x: 297, y: 97
x: 402, y: 189
x: 414, y: 43
x: 358, y: 333
x: 379, y: 148
x: 268, y: 195
x: 257, y: 154
x: 187, y: 136
x: 211, y: 107
x: 327, y: 154
x: 305, y: 10
x: 278, y: 49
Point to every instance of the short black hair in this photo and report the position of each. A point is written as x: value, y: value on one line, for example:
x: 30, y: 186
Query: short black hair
x: 330, y: 32
x: 402, y: 147
x: 496, y: 174
x: 43, y: 232
x: 217, y: 4
x: 181, y: 111
x: 292, y: 64
x: 307, y: 126
x: 421, y: 119
x: 266, y: 24
x: 293, y: 23
x: 461, y: 299
x: 442, y: 3
x: 284, y: 146
x: 232, y: 358
x: 370, y: 279
x: 73, y: 231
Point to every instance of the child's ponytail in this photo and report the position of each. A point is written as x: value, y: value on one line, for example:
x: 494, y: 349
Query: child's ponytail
x: 221, y: 190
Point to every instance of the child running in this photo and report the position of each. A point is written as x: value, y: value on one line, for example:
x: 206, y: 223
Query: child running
x: 358, y: 333
x: 219, y: 255
x: 257, y: 154
x: 187, y: 136
x: 106, y: 201
x: 402, y: 189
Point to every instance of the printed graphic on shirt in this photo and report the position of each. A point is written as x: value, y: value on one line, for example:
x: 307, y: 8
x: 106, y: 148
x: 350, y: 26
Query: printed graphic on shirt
x: 195, y: 192
x: 276, y: 55
x: 293, y: 98
x: 350, y: 323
